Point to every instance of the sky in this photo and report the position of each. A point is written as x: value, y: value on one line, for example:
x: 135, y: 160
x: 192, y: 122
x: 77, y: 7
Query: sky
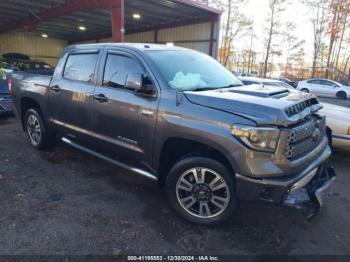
x: 296, y: 12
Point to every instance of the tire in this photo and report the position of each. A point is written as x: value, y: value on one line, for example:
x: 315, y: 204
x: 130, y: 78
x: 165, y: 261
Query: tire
x: 202, y: 205
x: 305, y: 90
x: 341, y: 95
x: 37, y: 132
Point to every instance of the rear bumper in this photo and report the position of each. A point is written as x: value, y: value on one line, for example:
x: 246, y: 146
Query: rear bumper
x: 5, y: 105
x: 316, y: 178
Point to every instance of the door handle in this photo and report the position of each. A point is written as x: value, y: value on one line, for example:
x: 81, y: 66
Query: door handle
x: 147, y: 113
x: 101, y: 98
x: 56, y: 89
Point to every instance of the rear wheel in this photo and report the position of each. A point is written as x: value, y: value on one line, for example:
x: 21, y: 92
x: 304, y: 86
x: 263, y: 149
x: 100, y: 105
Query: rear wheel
x: 37, y: 133
x: 305, y: 90
x: 201, y: 190
x: 341, y: 95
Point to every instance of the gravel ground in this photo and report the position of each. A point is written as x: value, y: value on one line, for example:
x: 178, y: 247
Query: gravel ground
x: 66, y: 202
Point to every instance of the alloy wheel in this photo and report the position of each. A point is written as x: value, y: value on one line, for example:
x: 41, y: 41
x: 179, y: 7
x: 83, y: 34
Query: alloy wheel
x: 34, y: 129
x: 203, y: 192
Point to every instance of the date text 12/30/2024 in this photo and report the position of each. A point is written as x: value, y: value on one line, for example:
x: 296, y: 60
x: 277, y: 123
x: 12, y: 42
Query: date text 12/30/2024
x: 173, y: 258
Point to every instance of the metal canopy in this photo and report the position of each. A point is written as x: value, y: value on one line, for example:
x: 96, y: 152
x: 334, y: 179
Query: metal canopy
x: 28, y: 16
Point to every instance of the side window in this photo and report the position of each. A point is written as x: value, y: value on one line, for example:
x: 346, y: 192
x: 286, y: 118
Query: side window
x: 81, y: 67
x: 314, y: 82
x: 117, y: 69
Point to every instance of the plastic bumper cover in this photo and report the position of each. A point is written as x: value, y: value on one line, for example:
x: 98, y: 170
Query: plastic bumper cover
x: 316, y: 179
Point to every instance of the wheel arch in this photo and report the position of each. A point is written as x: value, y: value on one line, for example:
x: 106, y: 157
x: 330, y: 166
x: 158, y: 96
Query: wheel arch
x: 175, y: 148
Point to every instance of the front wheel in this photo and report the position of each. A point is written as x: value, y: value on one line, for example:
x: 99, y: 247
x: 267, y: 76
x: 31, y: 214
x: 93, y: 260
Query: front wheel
x: 202, y: 191
x: 37, y: 133
x: 305, y: 90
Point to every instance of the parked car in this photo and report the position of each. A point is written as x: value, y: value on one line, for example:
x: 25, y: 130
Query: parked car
x: 11, y: 57
x: 32, y: 67
x: 338, y: 119
x: 263, y: 81
x: 325, y: 87
x: 190, y: 124
x: 288, y: 81
x: 5, y: 86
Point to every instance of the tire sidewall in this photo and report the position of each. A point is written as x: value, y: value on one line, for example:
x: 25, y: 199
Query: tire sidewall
x: 202, y: 162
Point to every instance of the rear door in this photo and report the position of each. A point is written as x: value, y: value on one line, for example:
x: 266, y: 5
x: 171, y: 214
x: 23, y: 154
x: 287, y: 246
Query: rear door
x: 124, y: 121
x: 71, y: 92
x: 329, y: 88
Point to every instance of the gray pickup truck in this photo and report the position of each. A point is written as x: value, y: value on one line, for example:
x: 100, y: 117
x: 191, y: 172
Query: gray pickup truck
x: 178, y: 117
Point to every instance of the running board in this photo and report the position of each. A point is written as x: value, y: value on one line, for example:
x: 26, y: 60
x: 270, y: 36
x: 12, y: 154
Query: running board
x: 117, y: 163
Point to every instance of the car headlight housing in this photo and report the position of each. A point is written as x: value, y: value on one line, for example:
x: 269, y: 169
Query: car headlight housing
x: 258, y: 138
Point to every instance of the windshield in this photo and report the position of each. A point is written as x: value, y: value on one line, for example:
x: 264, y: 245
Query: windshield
x: 186, y: 70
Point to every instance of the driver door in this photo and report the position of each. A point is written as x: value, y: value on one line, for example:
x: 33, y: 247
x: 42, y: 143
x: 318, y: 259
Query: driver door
x: 123, y: 120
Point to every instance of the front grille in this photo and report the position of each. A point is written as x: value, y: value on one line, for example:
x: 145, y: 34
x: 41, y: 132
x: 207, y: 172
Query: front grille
x: 295, y: 109
x: 304, y: 137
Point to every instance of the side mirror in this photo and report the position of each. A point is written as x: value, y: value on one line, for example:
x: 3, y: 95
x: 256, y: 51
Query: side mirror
x: 139, y: 84
x: 134, y: 82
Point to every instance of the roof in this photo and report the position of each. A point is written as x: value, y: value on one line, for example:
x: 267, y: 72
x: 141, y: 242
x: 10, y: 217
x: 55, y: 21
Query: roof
x: 46, y: 17
x: 138, y: 46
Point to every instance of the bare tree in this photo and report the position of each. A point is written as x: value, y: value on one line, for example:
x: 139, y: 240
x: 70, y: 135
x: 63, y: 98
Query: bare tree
x: 292, y: 43
x: 251, y: 54
x: 319, y: 19
x: 234, y: 24
x: 344, y: 25
x: 273, y: 20
x: 338, y: 9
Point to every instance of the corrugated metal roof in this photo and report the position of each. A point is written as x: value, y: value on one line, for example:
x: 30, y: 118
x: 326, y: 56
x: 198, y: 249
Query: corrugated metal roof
x: 98, y: 22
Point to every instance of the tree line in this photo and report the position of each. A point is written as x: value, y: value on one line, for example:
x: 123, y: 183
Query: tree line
x: 330, y: 21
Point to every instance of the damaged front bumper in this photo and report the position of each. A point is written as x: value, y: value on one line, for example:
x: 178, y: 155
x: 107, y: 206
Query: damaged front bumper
x: 320, y: 183
x: 315, y: 180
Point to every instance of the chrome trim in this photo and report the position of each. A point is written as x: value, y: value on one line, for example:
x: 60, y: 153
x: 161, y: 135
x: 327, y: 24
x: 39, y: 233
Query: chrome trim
x: 147, y: 113
x: 304, y: 181
x: 121, y: 143
x: 122, y: 165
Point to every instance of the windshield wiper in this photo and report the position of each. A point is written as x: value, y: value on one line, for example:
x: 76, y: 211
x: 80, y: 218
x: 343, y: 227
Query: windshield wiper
x: 204, y: 89
x: 215, y: 88
x: 229, y: 86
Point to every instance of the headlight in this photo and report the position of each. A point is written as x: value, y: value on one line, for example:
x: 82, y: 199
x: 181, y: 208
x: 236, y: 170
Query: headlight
x: 258, y: 138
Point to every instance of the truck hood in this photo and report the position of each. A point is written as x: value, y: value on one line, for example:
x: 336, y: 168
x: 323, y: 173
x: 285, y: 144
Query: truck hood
x: 266, y: 105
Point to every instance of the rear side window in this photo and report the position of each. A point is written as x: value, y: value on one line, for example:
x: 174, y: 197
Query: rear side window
x: 81, y: 67
x: 117, y: 69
